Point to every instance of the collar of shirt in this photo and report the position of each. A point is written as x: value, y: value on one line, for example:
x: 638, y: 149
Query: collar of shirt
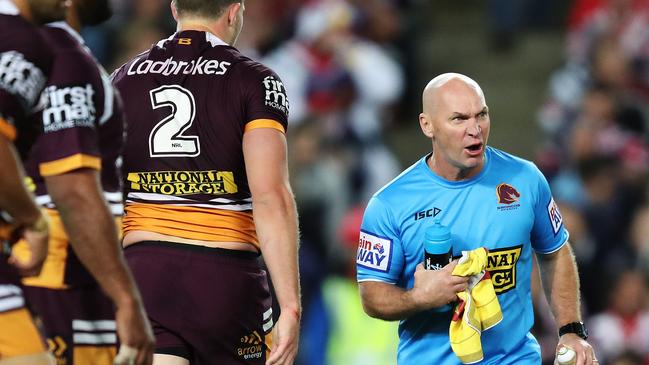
x: 210, y: 37
x: 65, y: 26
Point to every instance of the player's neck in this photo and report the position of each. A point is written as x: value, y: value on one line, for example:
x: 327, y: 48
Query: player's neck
x: 202, y: 26
x: 72, y: 18
x: 449, y: 171
x: 24, y: 10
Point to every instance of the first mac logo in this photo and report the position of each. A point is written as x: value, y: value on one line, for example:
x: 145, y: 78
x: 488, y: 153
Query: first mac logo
x: 374, y: 252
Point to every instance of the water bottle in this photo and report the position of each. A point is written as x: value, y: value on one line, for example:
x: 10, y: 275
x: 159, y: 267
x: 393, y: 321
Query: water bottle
x: 437, y: 252
x: 437, y: 246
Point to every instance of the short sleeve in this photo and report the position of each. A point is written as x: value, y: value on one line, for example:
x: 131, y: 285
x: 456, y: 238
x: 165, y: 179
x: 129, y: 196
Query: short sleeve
x: 265, y: 102
x: 70, y: 118
x: 380, y: 254
x: 548, y: 233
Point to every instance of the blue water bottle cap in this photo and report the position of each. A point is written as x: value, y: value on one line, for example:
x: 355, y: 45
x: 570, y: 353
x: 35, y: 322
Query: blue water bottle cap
x: 437, y: 232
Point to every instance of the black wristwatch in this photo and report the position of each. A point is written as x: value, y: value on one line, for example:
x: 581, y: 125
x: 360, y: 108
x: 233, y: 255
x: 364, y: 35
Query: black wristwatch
x: 577, y: 328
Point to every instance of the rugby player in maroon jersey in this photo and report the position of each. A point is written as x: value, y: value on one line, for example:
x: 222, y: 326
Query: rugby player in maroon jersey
x: 73, y: 169
x: 207, y: 192
x: 25, y: 63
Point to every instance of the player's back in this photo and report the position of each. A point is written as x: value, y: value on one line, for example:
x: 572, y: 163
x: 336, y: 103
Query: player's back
x: 188, y: 102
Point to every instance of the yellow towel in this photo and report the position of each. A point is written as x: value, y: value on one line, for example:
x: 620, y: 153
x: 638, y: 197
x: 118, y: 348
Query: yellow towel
x: 478, y: 309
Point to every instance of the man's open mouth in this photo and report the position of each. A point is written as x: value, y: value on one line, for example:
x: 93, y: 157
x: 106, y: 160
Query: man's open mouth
x: 474, y: 148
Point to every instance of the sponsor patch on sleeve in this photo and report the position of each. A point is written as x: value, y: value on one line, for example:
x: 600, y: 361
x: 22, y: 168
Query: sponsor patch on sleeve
x: 68, y: 107
x: 21, y: 77
x: 276, y: 94
x: 556, y: 220
x: 374, y: 252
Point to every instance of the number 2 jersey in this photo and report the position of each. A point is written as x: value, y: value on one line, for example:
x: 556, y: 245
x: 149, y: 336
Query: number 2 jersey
x: 506, y: 208
x: 188, y: 101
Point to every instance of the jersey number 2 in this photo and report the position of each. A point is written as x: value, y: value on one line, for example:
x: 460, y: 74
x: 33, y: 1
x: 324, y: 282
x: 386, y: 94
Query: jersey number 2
x: 167, y: 138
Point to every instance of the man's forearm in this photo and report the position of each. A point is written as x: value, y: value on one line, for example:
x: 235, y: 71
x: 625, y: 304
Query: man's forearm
x: 387, y: 301
x: 92, y: 232
x: 561, y: 284
x: 276, y: 221
x: 14, y: 197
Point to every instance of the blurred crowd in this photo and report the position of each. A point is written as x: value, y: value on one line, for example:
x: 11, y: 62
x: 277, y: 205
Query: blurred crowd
x: 345, y: 65
x: 596, y: 156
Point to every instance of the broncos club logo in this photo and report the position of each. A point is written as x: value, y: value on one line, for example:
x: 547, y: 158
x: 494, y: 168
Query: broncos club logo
x: 507, y: 194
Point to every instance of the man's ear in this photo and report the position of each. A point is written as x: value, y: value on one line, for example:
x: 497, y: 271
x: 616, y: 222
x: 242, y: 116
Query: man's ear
x: 426, y: 125
x: 233, y: 10
x: 174, y: 11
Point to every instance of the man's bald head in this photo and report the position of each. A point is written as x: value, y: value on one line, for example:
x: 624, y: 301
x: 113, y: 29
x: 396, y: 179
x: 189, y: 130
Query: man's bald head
x: 447, y: 80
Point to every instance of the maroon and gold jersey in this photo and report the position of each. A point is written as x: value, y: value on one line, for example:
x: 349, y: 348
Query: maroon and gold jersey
x: 25, y: 62
x: 83, y: 127
x: 188, y: 101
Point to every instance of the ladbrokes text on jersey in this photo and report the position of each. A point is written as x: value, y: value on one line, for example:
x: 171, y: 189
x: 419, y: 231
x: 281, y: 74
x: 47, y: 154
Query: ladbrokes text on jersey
x: 171, y: 67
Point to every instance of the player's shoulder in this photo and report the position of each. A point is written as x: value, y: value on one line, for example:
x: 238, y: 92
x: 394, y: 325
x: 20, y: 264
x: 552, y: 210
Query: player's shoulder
x: 14, y: 25
x: 502, y: 160
x: 397, y: 189
x: 72, y: 60
x: 17, y: 34
x: 250, y: 68
x: 121, y: 71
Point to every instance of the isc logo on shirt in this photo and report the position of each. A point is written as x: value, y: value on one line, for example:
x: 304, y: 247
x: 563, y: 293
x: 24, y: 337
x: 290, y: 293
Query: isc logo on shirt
x: 555, y: 216
x: 374, y: 252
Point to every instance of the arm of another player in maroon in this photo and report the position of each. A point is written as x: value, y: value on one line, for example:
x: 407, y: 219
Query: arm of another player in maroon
x: 93, y: 235
x: 275, y: 217
x: 16, y: 200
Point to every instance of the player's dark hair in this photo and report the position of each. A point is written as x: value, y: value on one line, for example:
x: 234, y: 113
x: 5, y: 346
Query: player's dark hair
x: 204, y: 8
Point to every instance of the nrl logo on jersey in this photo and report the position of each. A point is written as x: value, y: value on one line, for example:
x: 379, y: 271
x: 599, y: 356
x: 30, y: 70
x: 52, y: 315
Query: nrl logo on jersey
x: 20, y: 77
x: 276, y: 94
x: 68, y: 107
x: 501, y: 263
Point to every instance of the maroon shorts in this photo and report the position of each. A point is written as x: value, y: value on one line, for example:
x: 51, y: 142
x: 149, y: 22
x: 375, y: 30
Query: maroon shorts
x: 79, y: 323
x: 208, y: 305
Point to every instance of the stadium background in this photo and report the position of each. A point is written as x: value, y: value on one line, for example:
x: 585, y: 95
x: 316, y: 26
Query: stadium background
x: 567, y: 83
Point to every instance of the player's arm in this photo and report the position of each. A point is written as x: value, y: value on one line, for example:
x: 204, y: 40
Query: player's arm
x: 14, y: 197
x: 275, y: 218
x: 561, y: 285
x: 557, y: 267
x: 16, y: 200
x: 432, y: 289
x: 93, y: 236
